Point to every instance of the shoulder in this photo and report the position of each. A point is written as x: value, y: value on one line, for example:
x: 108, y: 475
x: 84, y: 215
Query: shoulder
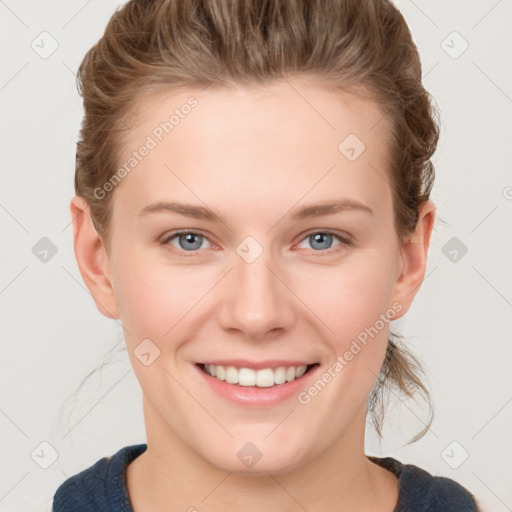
x: 101, y: 487
x: 419, y: 491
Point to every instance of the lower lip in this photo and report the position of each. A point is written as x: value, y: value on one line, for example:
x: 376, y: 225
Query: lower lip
x: 254, y: 396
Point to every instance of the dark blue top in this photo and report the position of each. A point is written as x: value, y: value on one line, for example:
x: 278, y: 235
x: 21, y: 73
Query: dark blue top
x: 102, y: 487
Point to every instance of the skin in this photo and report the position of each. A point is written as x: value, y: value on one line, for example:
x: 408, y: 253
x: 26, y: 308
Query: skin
x: 255, y: 155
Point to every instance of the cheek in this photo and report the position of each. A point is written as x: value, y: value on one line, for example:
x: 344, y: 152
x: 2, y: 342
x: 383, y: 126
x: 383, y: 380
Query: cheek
x: 354, y: 302
x: 154, y: 296
x: 350, y: 298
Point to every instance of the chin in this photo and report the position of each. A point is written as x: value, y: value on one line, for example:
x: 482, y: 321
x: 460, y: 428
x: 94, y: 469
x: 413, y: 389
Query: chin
x: 248, y: 459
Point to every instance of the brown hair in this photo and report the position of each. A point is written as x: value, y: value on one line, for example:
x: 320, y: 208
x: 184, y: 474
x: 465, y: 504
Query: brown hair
x: 359, y: 46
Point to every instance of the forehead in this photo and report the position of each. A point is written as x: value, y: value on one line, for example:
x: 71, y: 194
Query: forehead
x: 275, y: 142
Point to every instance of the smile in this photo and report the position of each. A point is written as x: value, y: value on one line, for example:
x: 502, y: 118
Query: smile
x: 248, y: 377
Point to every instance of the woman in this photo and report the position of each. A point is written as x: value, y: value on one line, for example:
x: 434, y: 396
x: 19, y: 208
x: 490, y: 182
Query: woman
x: 252, y: 202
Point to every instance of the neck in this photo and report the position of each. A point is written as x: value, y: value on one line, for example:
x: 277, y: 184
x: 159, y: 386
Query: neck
x: 170, y: 475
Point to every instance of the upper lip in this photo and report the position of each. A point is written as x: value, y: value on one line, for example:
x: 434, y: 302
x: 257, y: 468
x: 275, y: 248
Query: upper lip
x: 256, y: 365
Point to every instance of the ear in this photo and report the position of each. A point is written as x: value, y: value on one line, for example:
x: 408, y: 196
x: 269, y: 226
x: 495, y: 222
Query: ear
x: 414, y: 258
x: 92, y: 258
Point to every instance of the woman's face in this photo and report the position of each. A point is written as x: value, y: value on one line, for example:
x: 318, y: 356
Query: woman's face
x: 259, y: 278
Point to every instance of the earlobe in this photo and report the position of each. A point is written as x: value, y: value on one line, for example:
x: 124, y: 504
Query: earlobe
x: 92, y: 258
x: 414, y: 258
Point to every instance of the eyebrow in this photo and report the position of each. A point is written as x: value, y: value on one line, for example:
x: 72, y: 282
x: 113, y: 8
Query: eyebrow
x: 187, y: 210
x: 308, y: 211
x: 330, y: 208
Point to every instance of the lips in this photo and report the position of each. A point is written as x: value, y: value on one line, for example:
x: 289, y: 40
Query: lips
x: 257, y: 365
x: 256, y: 387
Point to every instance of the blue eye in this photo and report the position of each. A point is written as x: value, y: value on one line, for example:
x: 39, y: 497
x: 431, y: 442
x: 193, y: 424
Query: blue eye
x: 323, y: 240
x: 191, y: 241
x: 188, y: 241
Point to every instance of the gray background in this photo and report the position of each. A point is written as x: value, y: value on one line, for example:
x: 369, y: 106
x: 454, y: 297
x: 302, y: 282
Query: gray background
x: 53, y: 336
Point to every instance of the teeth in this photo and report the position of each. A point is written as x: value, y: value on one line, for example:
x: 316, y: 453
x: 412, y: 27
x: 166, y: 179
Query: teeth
x: 264, y: 378
x: 231, y: 375
x: 221, y: 372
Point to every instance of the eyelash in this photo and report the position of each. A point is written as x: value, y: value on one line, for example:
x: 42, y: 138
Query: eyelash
x: 344, y: 241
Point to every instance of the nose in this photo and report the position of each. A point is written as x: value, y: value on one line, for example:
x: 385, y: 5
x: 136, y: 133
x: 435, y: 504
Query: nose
x: 257, y: 300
